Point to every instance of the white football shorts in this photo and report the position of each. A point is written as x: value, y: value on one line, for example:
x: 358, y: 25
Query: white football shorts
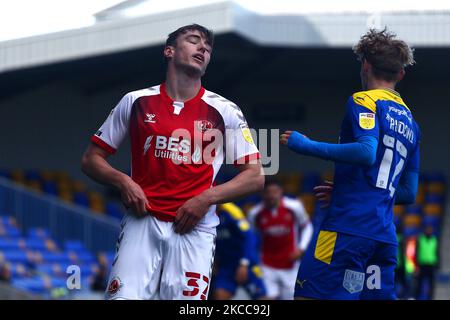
x: 153, y: 262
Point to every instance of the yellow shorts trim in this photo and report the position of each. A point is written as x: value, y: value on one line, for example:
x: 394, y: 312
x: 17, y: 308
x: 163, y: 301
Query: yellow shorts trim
x: 325, y: 246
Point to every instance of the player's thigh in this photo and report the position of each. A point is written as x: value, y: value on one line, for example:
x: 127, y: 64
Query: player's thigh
x: 333, y: 267
x: 380, y: 274
x: 255, y: 286
x: 135, y: 270
x: 271, y: 282
x: 187, y: 266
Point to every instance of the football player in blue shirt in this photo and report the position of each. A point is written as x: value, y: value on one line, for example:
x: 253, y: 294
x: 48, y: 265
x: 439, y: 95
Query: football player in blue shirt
x: 353, y: 256
x: 236, y: 258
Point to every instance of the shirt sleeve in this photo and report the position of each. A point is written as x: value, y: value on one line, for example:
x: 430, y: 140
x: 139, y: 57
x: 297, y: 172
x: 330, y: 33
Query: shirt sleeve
x: 361, y: 116
x: 413, y: 164
x: 115, y: 128
x: 240, y: 147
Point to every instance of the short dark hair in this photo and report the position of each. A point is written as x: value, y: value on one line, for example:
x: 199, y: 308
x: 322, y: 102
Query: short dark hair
x: 387, y: 55
x: 207, y: 33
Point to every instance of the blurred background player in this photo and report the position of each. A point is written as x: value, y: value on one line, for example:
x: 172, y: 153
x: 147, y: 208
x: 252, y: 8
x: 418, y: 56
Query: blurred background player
x: 166, y: 247
x: 427, y: 257
x: 376, y: 166
x: 237, y: 258
x: 285, y: 232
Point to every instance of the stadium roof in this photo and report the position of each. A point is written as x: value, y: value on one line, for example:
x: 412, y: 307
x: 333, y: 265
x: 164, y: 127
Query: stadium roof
x: 312, y: 30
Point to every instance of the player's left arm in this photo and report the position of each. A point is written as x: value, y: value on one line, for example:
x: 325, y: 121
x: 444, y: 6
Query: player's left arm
x: 361, y: 120
x: 408, y: 184
x: 362, y: 152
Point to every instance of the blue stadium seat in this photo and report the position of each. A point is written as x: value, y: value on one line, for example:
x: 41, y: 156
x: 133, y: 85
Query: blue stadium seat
x: 32, y: 175
x: 434, y: 199
x: 55, y: 257
x: 35, y: 285
x: 50, y: 187
x: 57, y: 282
x: 74, y: 245
x: 114, y: 210
x: 414, y: 209
x: 19, y: 270
x: 38, y: 233
x: 7, y: 221
x: 12, y: 232
x: 11, y: 243
x: 52, y: 269
x: 15, y: 256
x: 36, y: 243
x: 85, y: 257
x: 81, y: 199
x: 411, y: 231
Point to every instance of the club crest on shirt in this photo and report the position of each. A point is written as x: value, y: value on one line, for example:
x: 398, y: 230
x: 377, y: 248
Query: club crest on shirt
x: 203, y: 125
x: 114, y: 286
x: 353, y: 281
x: 367, y: 120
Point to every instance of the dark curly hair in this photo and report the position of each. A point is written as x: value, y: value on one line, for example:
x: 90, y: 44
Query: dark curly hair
x: 387, y: 55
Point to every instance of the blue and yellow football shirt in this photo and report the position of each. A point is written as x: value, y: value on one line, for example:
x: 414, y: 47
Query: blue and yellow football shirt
x: 363, y: 196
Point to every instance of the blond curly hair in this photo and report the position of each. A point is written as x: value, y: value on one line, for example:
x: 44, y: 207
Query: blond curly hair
x: 387, y: 55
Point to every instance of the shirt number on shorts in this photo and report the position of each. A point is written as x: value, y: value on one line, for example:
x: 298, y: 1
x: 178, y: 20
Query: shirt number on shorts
x: 193, y: 278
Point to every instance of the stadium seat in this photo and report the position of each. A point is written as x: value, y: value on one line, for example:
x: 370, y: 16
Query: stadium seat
x: 433, y: 209
x: 8, y: 221
x: 413, y: 209
x: 73, y: 245
x: 15, y: 256
x: 81, y: 198
x: 19, y: 270
x: 38, y: 233
x: 50, y: 187
x: 412, y: 220
x: 35, y: 243
x: 55, y: 257
x: 399, y: 210
x: 51, y: 269
x: 114, y: 210
x: 12, y: 244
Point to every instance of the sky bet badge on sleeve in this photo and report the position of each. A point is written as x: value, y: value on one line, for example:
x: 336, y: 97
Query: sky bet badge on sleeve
x: 367, y: 120
x: 246, y: 133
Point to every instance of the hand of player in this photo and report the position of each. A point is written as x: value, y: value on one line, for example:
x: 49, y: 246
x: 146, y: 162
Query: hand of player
x: 134, y: 197
x: 241, y: 274
x: 285, y: 137
x: 296, y: 254
x: 323, y: 194
x: 190, y: 213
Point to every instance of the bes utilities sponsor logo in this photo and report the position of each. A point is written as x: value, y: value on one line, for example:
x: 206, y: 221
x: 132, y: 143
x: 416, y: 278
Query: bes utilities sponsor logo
x: 169, y: 147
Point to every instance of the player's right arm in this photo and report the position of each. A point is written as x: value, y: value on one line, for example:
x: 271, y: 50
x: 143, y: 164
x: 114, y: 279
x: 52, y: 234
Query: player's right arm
x: 95, y: 165
x: 105, y: 143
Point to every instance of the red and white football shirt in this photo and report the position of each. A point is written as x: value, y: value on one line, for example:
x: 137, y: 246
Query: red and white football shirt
x: 177, y: 147
x: 279, y: 230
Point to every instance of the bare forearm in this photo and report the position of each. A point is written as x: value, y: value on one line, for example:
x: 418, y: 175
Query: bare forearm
x: 98, y: 169
x: 246, y: 182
